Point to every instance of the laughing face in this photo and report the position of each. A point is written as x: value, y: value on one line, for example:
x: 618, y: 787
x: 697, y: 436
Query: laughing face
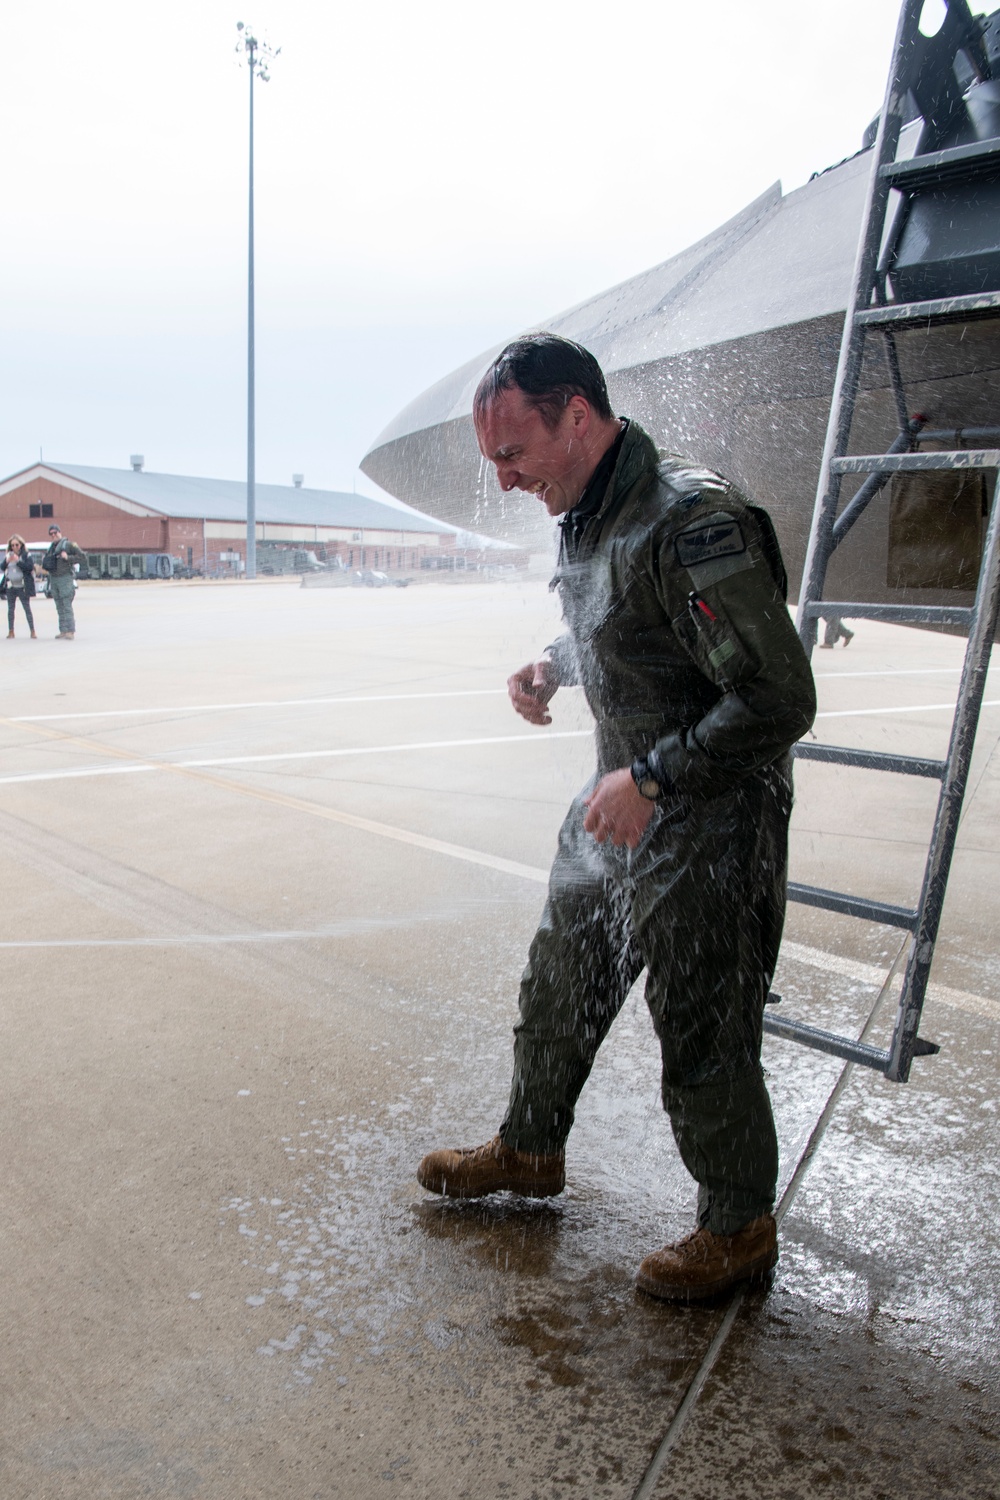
x: 552, y: 463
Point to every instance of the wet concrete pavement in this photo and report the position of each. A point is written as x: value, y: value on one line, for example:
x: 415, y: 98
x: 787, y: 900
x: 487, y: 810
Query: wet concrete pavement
x: 263, y: 988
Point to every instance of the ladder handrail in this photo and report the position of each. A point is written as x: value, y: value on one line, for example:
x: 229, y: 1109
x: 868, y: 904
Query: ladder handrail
x: 868, y: 309
x: 985, y: 612
x: 851, y: 347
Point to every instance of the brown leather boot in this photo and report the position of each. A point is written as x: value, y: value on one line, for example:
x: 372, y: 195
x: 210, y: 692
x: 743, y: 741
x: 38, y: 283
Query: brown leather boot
x: 474, y: 1171
x: 704, y: 1264
x: 10, y: 635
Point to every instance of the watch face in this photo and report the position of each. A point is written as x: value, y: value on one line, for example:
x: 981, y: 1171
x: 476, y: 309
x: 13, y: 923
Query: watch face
x: 649, y: 788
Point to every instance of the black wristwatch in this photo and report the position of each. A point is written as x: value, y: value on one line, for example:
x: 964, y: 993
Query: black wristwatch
x: 649, y: 778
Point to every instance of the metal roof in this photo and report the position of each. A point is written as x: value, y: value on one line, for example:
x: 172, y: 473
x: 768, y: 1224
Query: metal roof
x: 185, y: 496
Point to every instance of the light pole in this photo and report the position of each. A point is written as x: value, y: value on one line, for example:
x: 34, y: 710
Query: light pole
x: 258, y: 55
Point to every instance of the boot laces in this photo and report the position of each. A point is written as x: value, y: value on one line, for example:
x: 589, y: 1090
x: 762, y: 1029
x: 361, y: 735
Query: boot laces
x: 490, y: 1151
x: 694, y: 1245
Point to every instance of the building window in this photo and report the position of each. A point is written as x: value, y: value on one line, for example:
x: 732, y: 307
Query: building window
x: 36, y: 512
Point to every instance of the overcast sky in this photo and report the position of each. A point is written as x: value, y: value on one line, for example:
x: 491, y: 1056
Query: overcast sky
x: 431, y: 179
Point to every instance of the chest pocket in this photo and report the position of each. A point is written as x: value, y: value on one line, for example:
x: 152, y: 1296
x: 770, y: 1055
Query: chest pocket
x: 594, y: 596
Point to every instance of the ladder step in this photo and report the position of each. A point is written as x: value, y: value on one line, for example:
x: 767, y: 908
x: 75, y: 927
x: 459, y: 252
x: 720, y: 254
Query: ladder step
x: 827, y: 1041
x: 940, y: 310
x: 870, y: 760
x: 853, y: 906
x: 892, y: 614
x: 916, y: 463
x: 840, y: 1046
x: 978, y: 159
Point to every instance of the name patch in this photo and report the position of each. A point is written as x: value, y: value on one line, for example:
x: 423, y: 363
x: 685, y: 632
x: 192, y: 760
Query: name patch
x: 719, y: 536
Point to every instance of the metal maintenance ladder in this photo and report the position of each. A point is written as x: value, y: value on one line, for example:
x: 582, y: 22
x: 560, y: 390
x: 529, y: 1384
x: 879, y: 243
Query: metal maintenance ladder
x: 923, y: 68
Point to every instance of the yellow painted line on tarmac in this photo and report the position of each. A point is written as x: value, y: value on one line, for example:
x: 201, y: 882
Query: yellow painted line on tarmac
x: 331, y: 815
x: 828, y: 962
x: 383, y: 830
x: 831, y: 963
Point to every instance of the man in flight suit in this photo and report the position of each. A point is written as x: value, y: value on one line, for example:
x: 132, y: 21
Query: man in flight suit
x: 58, y: 562
x: 674, y: 857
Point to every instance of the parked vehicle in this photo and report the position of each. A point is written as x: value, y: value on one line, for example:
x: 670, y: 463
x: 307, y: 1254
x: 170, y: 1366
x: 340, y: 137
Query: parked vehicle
x: 127, y: 565
x: 274, y: 559
x: 372, y: 578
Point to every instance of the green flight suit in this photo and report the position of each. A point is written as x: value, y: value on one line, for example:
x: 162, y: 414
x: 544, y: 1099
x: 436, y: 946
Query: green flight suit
x: 58, y: 563
x: 679, y: 634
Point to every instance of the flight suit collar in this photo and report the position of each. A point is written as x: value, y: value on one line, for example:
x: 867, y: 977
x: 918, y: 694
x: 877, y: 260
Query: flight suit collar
x: 632, y: 453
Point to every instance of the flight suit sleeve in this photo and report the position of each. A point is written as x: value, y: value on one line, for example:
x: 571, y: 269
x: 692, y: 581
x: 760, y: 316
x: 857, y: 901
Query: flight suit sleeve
x: 725, y: 606
x: 562, y: 653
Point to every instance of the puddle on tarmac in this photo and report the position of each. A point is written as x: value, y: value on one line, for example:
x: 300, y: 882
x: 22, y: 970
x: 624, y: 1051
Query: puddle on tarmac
x: 349, y: 1261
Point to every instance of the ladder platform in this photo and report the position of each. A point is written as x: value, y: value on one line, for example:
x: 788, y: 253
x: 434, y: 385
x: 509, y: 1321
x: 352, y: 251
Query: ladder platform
x: 891, y: 614
x: 853, y: 906
x: 916, y: 463
x: 939, y: 310
x: 870, y: 760
x: 977, y: 159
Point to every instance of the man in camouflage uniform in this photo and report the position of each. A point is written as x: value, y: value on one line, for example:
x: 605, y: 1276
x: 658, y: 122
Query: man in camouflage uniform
x: 674, y: 857
x: 59, y: 561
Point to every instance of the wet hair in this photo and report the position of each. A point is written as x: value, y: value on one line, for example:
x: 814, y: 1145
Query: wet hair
x: 16, y: 538
x: 548, y: 371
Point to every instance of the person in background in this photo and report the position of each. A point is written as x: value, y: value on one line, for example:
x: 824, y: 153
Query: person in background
x: 58, y: 563
x: 835, y: 630
x: 18, y: 583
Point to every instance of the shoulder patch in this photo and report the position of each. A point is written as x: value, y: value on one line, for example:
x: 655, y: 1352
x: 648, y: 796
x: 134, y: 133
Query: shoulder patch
x: 715, y: 537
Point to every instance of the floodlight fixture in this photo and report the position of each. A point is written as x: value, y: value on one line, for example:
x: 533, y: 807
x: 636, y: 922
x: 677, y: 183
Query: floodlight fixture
x: 258, y: 55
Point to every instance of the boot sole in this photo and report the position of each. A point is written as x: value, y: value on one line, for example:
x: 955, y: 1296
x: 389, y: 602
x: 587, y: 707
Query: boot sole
x: 451, y: 1189
x: 757, y: 1271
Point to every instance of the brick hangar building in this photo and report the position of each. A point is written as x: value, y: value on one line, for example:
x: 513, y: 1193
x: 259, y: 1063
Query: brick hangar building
x: 202, y: 522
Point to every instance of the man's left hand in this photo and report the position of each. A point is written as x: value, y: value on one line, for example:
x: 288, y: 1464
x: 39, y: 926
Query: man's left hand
x: 617, y: 811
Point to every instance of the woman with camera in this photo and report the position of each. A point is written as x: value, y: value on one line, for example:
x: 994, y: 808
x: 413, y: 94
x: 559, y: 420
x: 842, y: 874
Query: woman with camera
x: 18, y: 583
